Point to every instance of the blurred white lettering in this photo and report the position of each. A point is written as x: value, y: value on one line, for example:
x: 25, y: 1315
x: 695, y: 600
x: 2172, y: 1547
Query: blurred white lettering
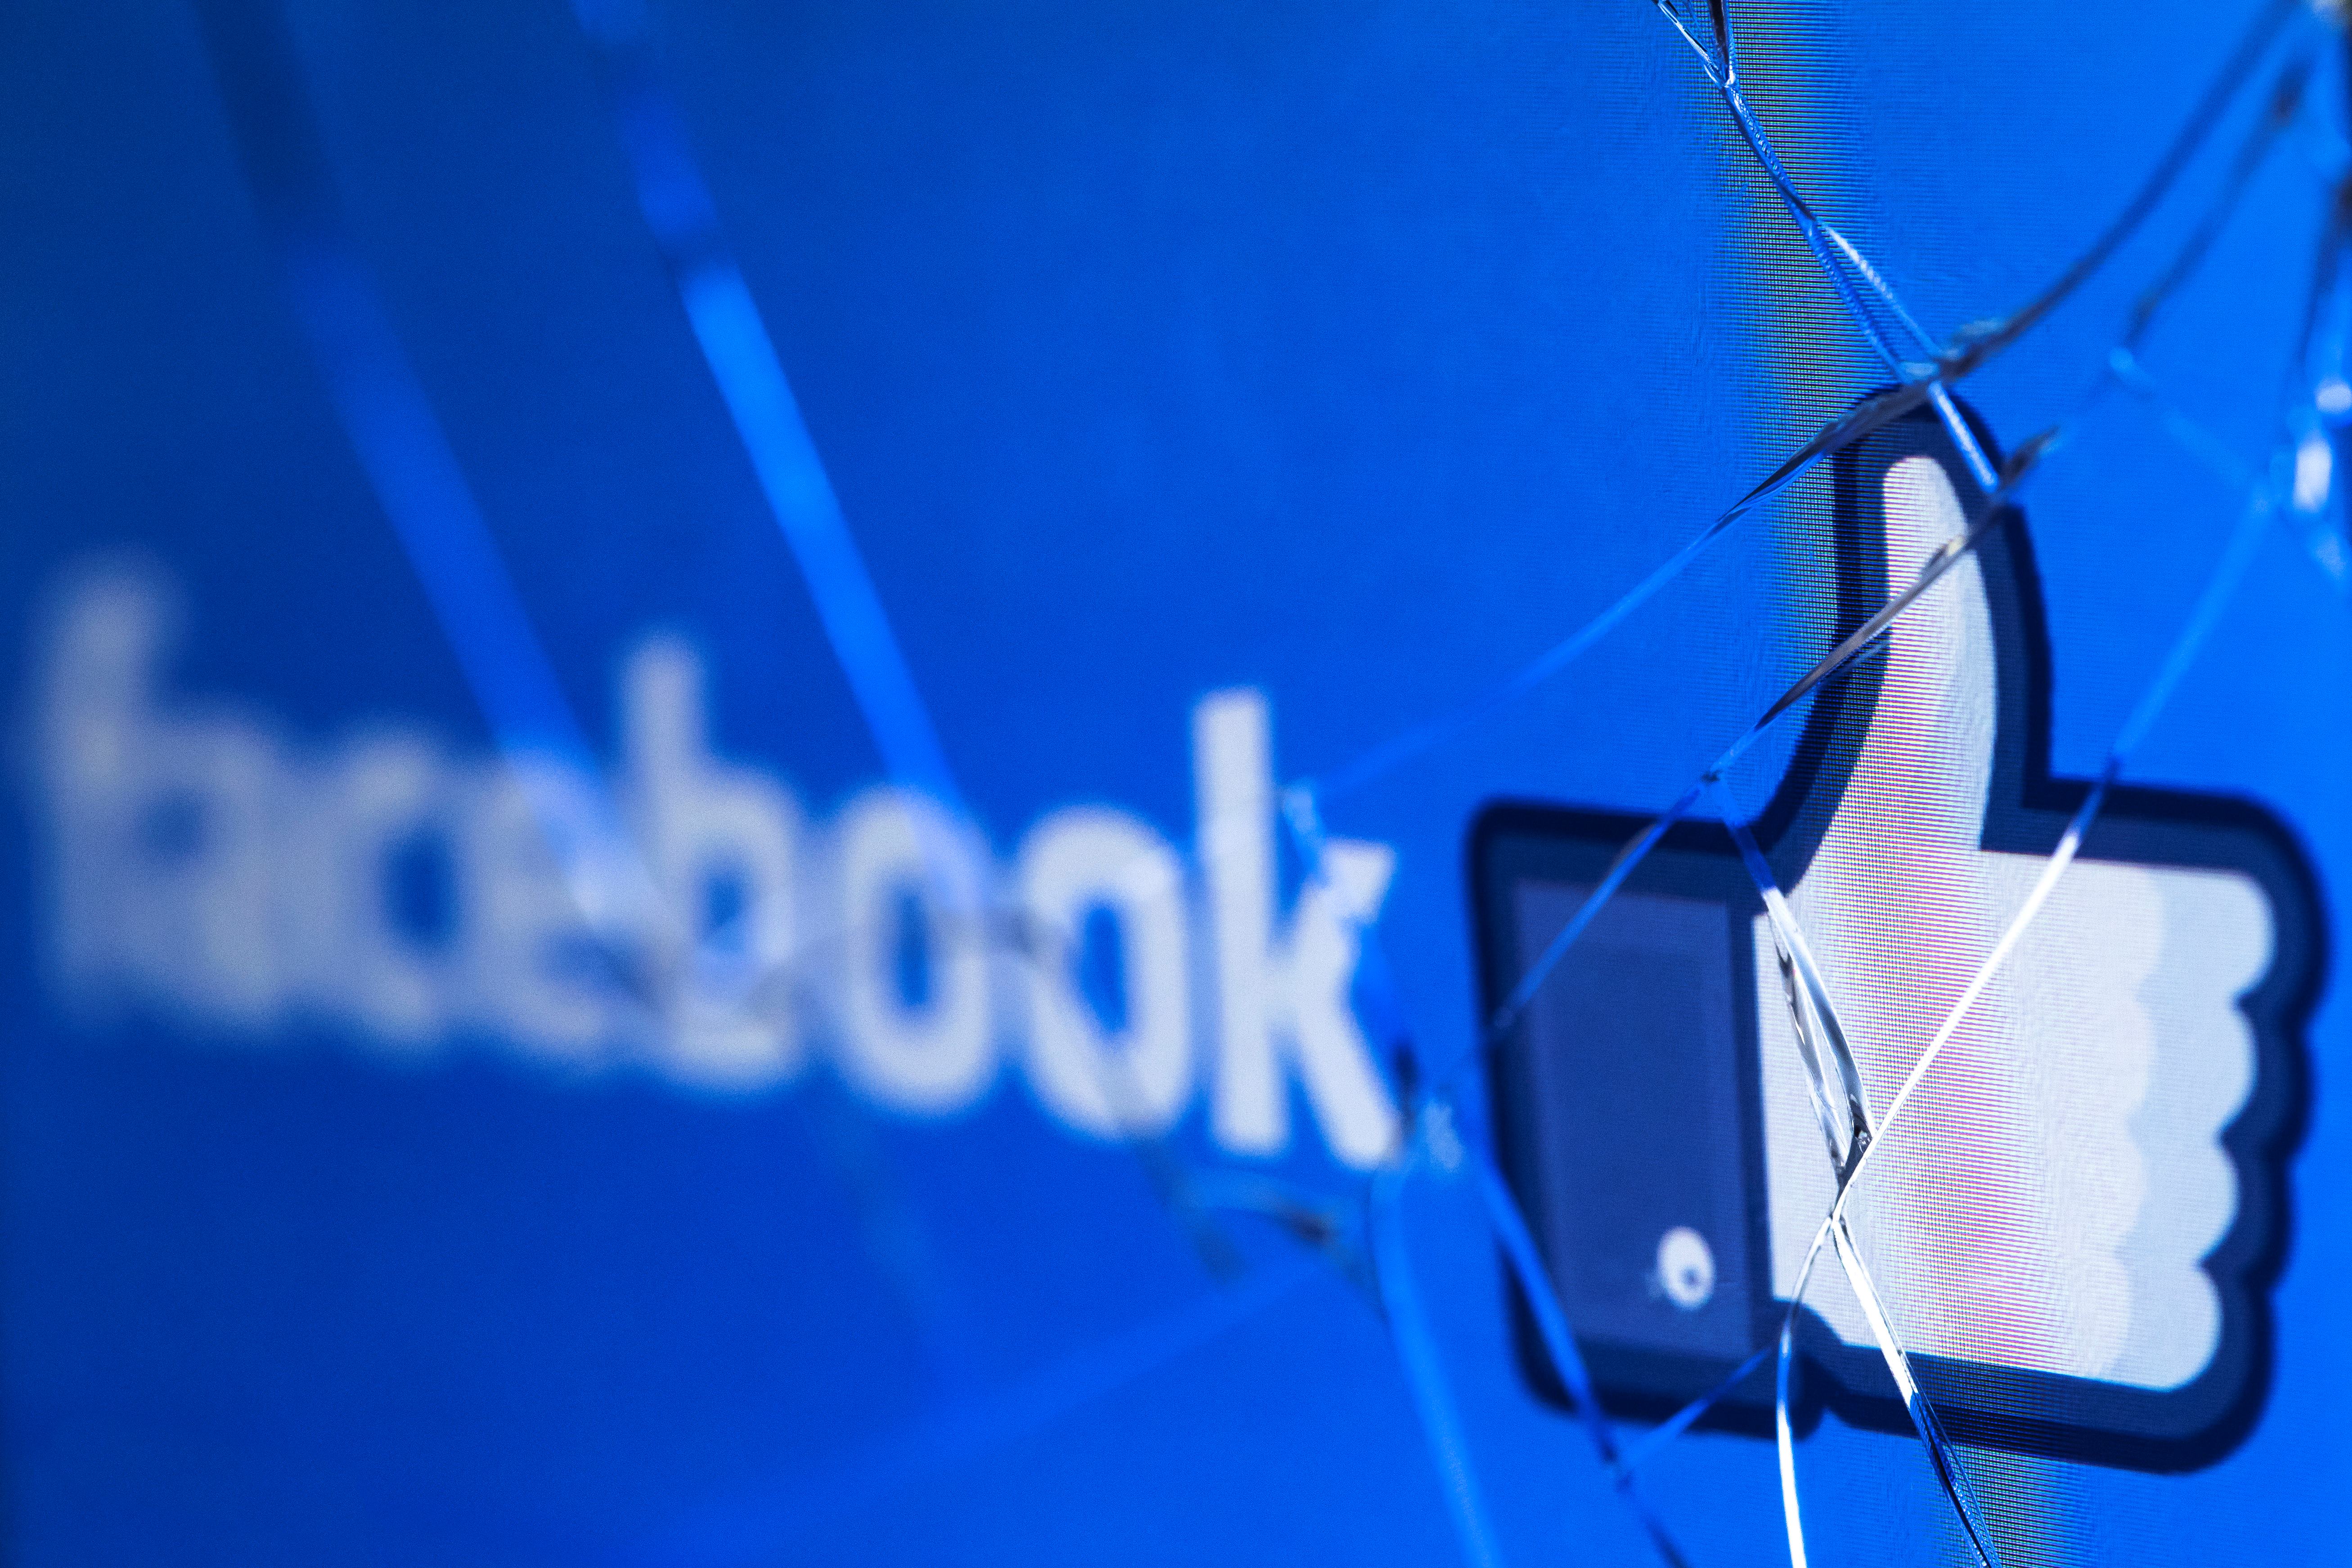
x: 687, y: 917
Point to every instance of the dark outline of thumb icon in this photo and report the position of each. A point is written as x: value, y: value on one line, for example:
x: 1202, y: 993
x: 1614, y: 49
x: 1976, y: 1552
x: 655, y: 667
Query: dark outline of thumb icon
x: 1629, y: 1101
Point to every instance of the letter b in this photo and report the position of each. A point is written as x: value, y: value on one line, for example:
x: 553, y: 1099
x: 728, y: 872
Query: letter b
x: 721, y: 846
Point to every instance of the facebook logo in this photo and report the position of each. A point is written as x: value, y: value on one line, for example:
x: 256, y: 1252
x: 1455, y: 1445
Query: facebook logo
x: 2078, y: 1219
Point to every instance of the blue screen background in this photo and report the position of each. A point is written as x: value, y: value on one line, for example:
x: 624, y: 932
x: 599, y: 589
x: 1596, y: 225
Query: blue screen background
x: 1352, y: 352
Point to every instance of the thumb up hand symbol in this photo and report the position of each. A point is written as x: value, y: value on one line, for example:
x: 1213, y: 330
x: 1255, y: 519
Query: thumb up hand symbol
x: 2075, y: 1223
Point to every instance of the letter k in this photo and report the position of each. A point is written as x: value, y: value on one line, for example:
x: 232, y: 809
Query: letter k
x: 1282, y: 995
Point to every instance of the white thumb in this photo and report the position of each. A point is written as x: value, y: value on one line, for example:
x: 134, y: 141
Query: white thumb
x: 1918, y: 786
x: 1903, y: 906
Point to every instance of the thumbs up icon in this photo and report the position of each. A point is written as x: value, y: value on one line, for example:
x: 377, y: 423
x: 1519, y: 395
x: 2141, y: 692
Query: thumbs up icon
x: 2077, y: 1222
